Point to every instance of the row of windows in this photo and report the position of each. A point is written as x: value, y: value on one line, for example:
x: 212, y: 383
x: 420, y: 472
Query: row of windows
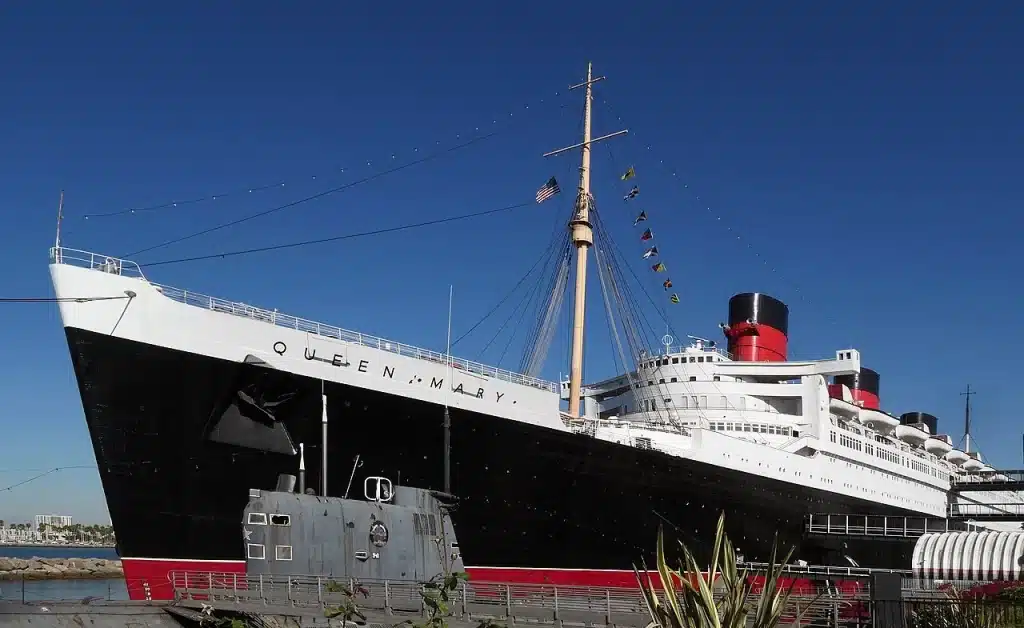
x: 257, y: 551
x: 888, y: 455
x: 759, y: 428
x: 693, y: 359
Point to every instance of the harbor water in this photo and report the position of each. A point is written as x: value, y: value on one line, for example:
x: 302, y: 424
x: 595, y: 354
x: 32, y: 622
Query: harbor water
x: 56, y: 590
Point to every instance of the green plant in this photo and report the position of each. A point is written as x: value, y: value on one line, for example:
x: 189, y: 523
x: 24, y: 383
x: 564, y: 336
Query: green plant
x: 347, y: 609
x: 437, y: 594
x: 693, y: 603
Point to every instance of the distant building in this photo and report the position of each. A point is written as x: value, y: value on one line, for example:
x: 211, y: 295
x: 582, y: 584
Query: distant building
x: 53, y: 521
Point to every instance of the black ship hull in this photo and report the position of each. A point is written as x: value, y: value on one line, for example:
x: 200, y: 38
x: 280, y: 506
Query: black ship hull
x: 180, y: 439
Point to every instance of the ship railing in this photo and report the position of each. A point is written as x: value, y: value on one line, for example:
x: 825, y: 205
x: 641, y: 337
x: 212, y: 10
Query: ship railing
x: 95, y: 261
x: 823, y: 571
x: 117, y: 266
x: 990, y: 477
x: 1014, y: 510
x: 875, y: 525
x: 529, y: 602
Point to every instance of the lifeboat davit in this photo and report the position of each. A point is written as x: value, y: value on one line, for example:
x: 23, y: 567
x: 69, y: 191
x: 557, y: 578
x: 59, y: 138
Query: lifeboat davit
x: 957, y: 457
x: 915, y: 433
x: 939, y: 445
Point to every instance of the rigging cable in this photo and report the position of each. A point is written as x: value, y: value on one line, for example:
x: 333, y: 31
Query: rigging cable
x: 348, y: 236
x: 174, y: 204
x: 62, y: 300
x: 313, y: 197
x: 42, y: 475
x: 544, y: 254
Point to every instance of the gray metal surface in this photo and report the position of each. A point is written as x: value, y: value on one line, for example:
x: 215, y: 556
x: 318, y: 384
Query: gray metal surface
x: 94, y: 615
x: 396, y: 533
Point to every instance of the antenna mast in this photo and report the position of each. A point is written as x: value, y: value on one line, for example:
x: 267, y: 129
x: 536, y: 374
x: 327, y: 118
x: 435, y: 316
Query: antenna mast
x: 967, y: 418
x: 582, y: 239
x: 60, y: 218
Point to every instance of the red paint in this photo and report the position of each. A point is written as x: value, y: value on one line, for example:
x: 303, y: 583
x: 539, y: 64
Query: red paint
x: 862, y: 398
x: 150, y: 578
x: 865, y: 399
x: 756, y: 342
x: 155, y: 579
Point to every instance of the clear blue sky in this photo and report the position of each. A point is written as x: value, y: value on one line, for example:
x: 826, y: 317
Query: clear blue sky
x: 862, y: 163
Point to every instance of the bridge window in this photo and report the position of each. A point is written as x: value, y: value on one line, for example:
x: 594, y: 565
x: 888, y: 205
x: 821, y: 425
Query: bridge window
x: 282, y: 552
x: 257, y: 518
x: 703, y: 403
x: 256, y: 551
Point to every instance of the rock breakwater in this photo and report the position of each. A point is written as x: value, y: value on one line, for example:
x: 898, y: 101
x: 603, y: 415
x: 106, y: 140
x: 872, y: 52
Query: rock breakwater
x: 59, y: 568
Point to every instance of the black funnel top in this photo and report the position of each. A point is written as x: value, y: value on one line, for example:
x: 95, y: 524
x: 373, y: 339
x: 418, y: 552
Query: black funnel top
x: 760, y: 308
x: 867, y: 380
x: 921, y: 417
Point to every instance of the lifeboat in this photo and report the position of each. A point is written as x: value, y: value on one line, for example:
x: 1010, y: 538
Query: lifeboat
x: 915, y: 433
x: 957, y: 457
x: 878, y: 421
x: 974, y: 463
x: 987, y: 470
x: 939, y: 445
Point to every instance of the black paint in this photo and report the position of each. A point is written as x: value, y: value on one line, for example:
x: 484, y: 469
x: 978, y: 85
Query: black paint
x: 530, y: 496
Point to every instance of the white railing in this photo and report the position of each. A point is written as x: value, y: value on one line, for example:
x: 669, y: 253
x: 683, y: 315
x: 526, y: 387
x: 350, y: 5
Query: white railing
x: 116, y: 266
x: 95, y: 261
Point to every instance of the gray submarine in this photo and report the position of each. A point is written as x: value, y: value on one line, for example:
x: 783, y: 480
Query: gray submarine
x: 394, y: 533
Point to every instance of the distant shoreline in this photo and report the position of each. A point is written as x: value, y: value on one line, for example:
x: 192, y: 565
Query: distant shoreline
x: 48, y: 545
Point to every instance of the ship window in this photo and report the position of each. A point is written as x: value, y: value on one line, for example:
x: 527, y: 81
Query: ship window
x: 282, y: 552
x: 675, y: 360
x: 661, y: 381
x: 433, y: 525
x: 693, y: 378
x: 692, y: 359
x: 675, y: 379
x: 256, y: 551
x: 257, y: 518
x: 668, y: 401
x: 700, y: 358
x: 703, y: 401
x: 664, y: 362
x: 280, y: 520
x: 682, y: 401
x: 725, y: 402
x: 717, y: 378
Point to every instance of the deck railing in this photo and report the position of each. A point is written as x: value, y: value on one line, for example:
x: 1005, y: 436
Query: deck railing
x: 113, y: 265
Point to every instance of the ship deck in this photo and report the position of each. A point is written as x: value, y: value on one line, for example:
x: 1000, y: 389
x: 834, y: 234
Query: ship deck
x: 103, y: 263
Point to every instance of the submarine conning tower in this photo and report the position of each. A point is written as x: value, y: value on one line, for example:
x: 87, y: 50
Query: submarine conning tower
x: 758, y: 328
x: 864, y: 387
x: 910, y: 418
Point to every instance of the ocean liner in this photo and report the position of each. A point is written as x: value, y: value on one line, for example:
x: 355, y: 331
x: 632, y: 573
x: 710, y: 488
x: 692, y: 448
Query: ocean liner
x: 193, y: 400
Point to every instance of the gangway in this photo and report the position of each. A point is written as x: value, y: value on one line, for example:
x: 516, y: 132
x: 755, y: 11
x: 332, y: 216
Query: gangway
x: 991, y: 481
x: 878, y: 526
x: 986, y: 512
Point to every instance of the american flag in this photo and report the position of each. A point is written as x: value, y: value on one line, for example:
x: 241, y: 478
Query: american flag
x: 548, y: 190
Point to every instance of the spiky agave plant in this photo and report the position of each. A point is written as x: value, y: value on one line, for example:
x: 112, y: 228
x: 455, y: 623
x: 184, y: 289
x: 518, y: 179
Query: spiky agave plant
x: 693, y: 605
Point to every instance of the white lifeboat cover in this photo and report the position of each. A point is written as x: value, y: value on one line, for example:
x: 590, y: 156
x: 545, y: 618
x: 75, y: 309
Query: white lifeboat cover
x: 986, y: 555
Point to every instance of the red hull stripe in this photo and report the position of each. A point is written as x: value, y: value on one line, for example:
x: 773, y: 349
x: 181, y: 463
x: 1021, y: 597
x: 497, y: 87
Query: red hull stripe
x: 149, y: 578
